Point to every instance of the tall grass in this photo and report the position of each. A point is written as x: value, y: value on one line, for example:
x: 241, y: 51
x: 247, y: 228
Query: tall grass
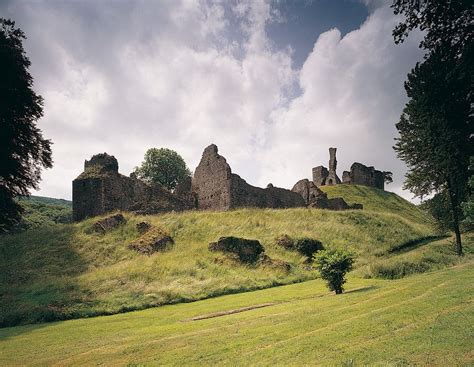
x: 69, y: 271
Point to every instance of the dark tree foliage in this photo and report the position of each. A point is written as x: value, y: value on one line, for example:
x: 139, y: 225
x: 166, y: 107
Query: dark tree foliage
x: 447, y: 23
x: 436, y: 126
x: 308, y: 246
x: 439, y: 207
x: 23, y: 151
x: 468, y: 206
x: 387, y: 177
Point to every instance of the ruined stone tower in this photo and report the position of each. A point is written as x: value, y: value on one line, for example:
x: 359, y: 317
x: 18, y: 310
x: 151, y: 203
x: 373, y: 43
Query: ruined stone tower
x: 358, y: 175
x: 332, y: 178
x: 322, y: 176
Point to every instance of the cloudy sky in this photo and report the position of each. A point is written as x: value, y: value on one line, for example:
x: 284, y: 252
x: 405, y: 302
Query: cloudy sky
x: 273, y: 83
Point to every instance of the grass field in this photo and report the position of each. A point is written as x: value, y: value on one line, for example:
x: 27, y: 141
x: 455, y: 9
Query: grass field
x: 423, y: 320
x: 69, y: 271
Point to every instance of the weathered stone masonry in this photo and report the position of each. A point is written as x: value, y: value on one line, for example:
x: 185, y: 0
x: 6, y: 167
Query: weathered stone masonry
x: 101, y: 189
x: 358, y: 175
x: 217, y: 188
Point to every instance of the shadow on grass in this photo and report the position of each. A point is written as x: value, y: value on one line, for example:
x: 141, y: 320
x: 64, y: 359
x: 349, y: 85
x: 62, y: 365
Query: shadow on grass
x: 413, y: 244
x: 363, y: 289
x: 37, y: 270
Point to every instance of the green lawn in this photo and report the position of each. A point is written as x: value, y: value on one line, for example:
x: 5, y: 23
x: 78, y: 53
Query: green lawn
x: 422, y: 320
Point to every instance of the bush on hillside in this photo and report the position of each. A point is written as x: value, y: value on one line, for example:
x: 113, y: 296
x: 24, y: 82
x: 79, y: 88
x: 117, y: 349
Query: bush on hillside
x: 333, y: 264
x: 308, y: 246
x: 305, y: 246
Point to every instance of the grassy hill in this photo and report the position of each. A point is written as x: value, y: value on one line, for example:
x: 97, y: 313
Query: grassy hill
x: 378, y: 200
x: 69, y: 271
x: 376, y: 322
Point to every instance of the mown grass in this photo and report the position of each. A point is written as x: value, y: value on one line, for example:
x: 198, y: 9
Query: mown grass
x: 423, y: 320
x: 68, y: 271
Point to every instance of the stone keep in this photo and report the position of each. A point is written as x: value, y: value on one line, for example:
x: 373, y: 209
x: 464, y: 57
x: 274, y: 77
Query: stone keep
x: 101, y: 189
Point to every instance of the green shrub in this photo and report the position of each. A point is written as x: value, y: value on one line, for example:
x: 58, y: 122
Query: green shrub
x: 398, y: 269
x: 308, y: 246
x: 333, y: 264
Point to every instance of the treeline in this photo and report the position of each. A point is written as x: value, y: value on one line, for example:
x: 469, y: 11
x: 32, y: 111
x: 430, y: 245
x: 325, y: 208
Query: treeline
x: 42, y: 211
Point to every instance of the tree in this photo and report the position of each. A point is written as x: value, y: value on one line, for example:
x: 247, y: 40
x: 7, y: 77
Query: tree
x: 333, y: 264
x: 446, y: 23
x: 439, y: 207
x: 436, y: 126
x: 387, y: 177
x: 468, y: 206
x: 23, y: 150
x: 163, y: 166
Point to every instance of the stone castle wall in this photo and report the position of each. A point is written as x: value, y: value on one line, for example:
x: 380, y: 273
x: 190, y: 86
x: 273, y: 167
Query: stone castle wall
x: 358, y: 175
x: 217, y: 188
x: 367, y: 176
x: 101, y: 189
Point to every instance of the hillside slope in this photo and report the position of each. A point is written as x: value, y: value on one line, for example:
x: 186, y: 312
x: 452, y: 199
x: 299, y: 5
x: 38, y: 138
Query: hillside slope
x: 377, y: 322
x: 377, y: 200
x: 69, y: 271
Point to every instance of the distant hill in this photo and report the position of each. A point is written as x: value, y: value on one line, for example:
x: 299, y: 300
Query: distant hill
x: 46, y: 200
x: 41, y: 211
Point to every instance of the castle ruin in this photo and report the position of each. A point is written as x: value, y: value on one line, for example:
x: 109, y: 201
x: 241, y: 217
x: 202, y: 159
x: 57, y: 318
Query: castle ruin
x: 217, y: 188
x: 358, y: 175
x: 101, y: 188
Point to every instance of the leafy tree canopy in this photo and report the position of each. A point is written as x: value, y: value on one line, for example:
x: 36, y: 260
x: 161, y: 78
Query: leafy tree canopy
x: 447, y: 23
x: 436, y: 126
x: 23, y: 150
x: 163, y: 166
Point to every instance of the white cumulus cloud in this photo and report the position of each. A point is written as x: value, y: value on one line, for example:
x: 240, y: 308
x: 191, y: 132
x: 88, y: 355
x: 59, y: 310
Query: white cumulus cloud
x: 123, y: 77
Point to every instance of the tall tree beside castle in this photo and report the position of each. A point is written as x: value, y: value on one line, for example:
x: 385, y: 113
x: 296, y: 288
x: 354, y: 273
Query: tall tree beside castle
x: 163, y: 166
x: 23, y: 150
x: 436, y: 126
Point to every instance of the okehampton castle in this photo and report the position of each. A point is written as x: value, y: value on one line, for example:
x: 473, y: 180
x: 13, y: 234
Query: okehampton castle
x: 101, y: 188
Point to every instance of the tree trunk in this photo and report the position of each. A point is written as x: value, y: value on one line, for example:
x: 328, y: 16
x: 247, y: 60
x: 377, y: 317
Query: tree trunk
x: 454, y: 208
